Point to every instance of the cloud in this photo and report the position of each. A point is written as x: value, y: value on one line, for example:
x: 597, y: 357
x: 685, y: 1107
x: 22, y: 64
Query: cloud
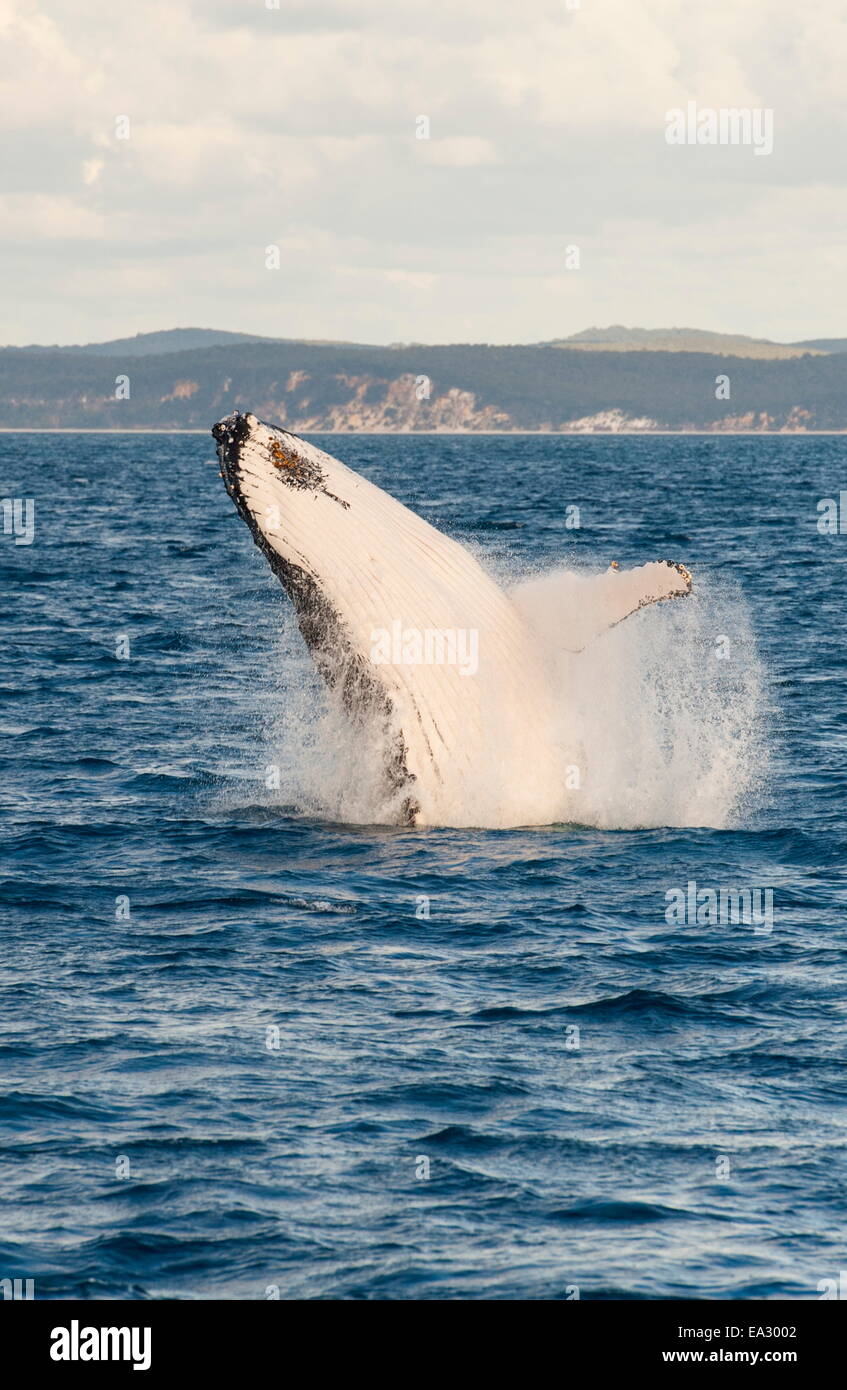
x: 459, y: 152
x: 91, y: 171
x: 251, y: 126
x: 28, y: 218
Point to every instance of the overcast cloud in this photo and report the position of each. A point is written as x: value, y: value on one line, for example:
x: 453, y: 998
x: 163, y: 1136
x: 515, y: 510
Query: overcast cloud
x: 251, y: 127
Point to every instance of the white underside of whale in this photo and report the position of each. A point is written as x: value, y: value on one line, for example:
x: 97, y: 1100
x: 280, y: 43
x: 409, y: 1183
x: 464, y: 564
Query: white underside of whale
x: 463, y: 665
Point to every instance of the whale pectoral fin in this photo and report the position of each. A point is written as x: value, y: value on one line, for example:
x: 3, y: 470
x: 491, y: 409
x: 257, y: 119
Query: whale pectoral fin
x: 574, y: 609
x: 618, y: 593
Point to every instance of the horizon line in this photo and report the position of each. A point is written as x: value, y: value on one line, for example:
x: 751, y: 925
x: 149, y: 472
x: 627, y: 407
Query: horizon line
x: 573, y: 337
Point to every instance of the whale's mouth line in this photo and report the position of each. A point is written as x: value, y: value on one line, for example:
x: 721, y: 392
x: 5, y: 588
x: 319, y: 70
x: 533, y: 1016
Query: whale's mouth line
x: 229, y: 435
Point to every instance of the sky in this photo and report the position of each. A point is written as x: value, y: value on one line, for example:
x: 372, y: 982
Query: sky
x: 153, y: 152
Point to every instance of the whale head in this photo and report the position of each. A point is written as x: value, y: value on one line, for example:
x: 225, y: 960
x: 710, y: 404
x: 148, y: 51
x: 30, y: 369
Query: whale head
x: 267, y: 472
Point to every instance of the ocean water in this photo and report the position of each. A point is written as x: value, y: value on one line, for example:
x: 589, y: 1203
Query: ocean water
x: 239, y: 1058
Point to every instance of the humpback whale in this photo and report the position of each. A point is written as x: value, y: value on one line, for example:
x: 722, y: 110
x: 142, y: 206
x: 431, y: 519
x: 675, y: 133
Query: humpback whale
x: 417, y: 644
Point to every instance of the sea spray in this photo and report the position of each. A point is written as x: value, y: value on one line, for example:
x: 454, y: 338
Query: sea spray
x: 656, y: 722
x: 663, y: 713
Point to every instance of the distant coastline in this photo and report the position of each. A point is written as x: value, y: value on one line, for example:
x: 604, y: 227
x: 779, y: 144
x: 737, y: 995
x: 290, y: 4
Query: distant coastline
x: 469, y: 434
x: 605, y: 381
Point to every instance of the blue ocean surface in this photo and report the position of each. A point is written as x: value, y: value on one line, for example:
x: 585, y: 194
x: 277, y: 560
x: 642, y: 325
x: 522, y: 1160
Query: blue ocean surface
x: 237, y: 1061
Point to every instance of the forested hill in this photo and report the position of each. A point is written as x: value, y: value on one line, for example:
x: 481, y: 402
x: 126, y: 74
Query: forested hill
x: 134, y: 384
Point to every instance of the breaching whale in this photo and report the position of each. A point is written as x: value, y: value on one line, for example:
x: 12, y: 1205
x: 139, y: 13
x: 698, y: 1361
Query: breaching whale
x: 415, y: 641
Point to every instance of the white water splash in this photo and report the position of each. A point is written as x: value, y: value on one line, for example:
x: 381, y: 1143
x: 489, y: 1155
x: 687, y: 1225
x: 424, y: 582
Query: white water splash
x: 662, y: 714
x: 659, y: 721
